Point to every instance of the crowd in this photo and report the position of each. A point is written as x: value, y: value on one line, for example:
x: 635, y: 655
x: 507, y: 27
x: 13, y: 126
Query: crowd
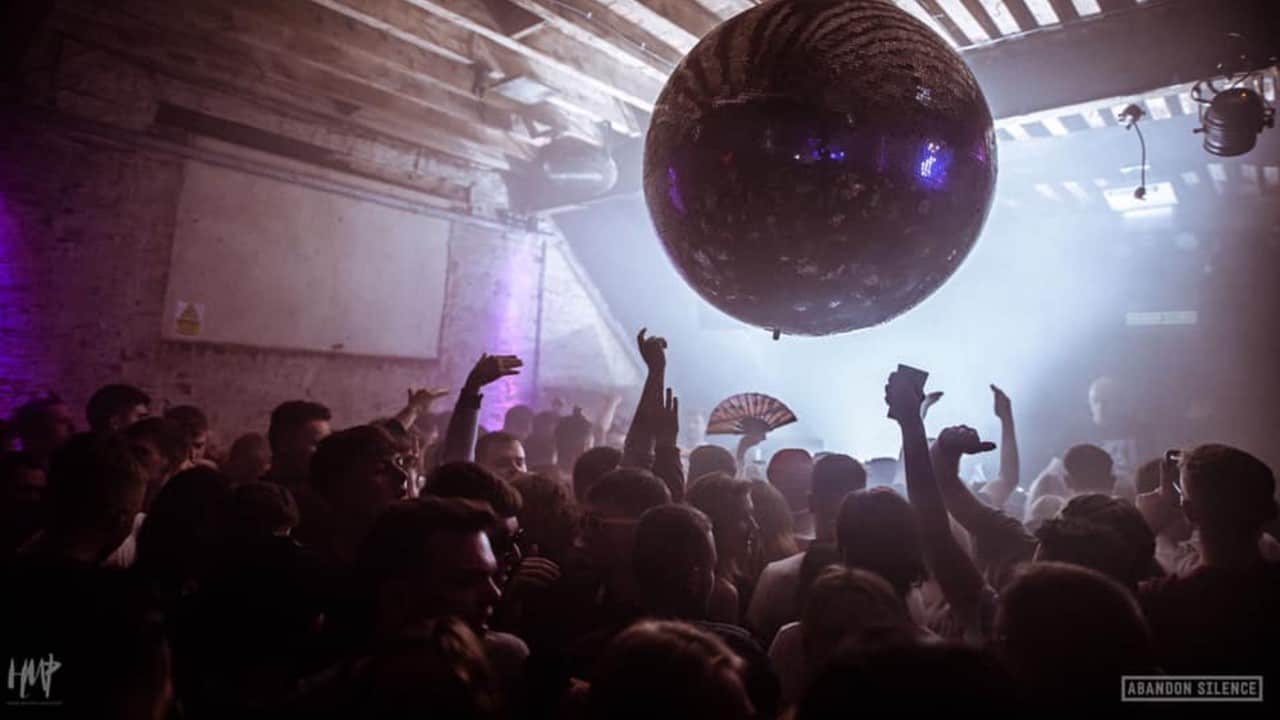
x: 417, y: 566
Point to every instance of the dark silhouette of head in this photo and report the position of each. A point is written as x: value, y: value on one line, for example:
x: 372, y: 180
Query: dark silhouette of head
x: 518, y: 421
x: 262, y: 509
x: 96, y: 487
x: 877, y: 531
x: 777, y: 539
x: 848, y: 605
x: 706, y: 459
x: 116, y: 407
x: 1089, y: 470
x: 296, y: 429
x: 881, y: 471
x: 161, y: 448
x: 356, y: 473
x: 674, y: 560
x: 1068, y: 631
x: 501, y: 453
x: 667, y: 669
x: 43, y: 425
x: 23, y: 484
x: 727, y: 502
x: 469, y: 481
x: 611, y: 512
x: 834, y: 477
x: 574, y: 436
x: 1147, y: 477
x: 1127, y: 522
x: 440, y: 670
x: 195, y: 425
x: 910, y: 678
x: 789, y: 470
x: 185, y: 530
x: 548, y: 515
x: 1085, y: 543
x: 592, y: 466
x: 427, y: 558
x: 249, y: 459
x: 540, y: 451
x: 1228, y: 494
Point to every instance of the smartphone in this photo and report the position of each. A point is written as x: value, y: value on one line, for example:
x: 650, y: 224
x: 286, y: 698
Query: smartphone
x: 1172, y: 467
x: 916, y: 375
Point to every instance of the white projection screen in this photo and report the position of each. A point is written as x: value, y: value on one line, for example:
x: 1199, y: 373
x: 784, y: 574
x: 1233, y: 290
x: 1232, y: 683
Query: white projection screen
x: 263, y: 263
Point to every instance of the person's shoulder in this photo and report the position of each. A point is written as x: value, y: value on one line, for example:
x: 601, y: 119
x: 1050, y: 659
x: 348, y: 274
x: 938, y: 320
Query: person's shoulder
x: 789, y: 565
x: 501, y: 645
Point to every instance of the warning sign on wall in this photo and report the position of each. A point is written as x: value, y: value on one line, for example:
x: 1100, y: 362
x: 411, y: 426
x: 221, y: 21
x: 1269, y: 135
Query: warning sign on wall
x: 189, y: 319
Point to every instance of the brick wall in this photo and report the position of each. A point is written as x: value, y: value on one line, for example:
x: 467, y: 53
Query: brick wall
x: 86, y: 225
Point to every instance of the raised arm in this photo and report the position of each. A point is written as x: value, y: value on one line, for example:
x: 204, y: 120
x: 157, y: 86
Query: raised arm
x: 1010, y: 475
x: 419, y: 402
x: 666, y: 461
x: 637, y: 450
x: 460, y: 438
x: 954, y: 570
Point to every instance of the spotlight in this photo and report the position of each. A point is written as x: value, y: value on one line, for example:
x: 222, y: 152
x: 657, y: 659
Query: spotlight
x: 1233, y: 120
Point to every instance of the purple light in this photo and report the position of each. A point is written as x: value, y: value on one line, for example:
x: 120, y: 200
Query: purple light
x: 673, y: 191
x: 935, y: 163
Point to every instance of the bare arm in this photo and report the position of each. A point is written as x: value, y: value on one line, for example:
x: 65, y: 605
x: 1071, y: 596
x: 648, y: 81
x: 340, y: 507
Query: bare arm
x: 460, y: 438
x: 419, y: 403
x: 1010, y: 475
x: 638, y: 447
x: 666, y: 463
x: 954, y: 570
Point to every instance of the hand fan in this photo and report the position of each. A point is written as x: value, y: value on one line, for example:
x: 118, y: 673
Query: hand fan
x: 749, y: 413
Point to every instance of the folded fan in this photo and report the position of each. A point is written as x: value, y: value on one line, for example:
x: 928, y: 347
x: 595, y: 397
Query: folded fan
x: 754, y: 413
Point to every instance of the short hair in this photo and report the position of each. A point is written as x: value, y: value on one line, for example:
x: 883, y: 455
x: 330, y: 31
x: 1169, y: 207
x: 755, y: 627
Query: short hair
x: 190, y: 418
x: 396, y: 545
x: 170, y: 438
x: 91, y: 475
x: 1089, y: 469
x: 291, y: 415
x: 348, y: 451
x: 261, y: 508
x: 876, y: 530
x: 470, y: 481
x: 548, y: 514
x: 518, y: 415
x: 1229, y: 488
x: 835, y: 476
x: 1097, y: 633
x: 591, y: 466
x: 490, y: 440
x: 667, y: 669
x: 1088, y: 544
x: 1129, y: 525
x: 26, y: 415
x: 441, y: 670
x: 845, y: 603
x: 571, y: 433
x: 109, y: 400
x: 670, y: 540
x: 717, y: 495
x: 630, y: 490
x: 782, y: 458
x: 1147, y: 477
x: 706, y: 459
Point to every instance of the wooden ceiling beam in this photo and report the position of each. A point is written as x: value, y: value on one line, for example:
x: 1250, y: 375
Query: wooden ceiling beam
x: 561, y: 59
x: 595, y: 25
x: 207, y: 57
x: 583, y: 110
x: 660, y: 26
x: 686, y: 14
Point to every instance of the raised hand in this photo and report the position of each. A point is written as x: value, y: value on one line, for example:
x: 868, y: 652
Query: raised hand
x: 1003, y: 407
x: 904, y: 398
x: 962, y: 440
x: 666, y: 421
x: 930, y: 399
x: 492, y: 367
x: 653, y: 350
x: 1162, y: 507
x: 422, y: 398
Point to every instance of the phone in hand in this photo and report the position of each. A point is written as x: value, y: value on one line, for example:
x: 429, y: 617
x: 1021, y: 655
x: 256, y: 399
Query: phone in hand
x: 1171, y: 468
x: 917, y: 376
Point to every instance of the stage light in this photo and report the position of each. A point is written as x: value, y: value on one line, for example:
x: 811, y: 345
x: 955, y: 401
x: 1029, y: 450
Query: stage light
x: 1233, y: 120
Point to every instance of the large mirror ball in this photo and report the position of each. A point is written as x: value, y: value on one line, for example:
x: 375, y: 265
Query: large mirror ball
x: 819, y: 166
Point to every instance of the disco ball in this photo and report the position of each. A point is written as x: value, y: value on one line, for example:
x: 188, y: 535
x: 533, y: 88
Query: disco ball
x: 819, y: 166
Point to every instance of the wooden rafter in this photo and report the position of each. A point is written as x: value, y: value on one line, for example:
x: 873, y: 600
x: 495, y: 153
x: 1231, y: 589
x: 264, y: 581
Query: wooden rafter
x: 594, y: 24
